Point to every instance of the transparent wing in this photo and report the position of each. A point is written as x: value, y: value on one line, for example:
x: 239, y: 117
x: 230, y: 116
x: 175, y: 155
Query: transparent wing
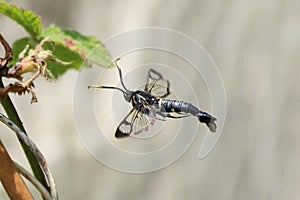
x: 139, y: 119
x: 157, y: 85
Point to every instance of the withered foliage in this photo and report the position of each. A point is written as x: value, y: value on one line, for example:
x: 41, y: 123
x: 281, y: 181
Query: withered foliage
x: 29, y: 60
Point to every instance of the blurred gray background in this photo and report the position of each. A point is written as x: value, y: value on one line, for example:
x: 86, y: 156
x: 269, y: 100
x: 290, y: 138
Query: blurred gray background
x: 255, y: 45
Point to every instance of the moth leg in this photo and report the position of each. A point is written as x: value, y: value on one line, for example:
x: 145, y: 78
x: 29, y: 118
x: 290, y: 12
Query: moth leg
x: 177, y: 117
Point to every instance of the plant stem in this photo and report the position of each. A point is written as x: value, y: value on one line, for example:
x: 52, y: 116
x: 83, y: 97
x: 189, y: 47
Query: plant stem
x: 14, y: 117
x: 11, y: 179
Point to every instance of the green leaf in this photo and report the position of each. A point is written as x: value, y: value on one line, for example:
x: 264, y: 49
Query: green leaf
x: 19, y: 46
x: 30, y: 21
x: 90, y: 50
x: 59, y: 52
x: 70, y: 47
x: 66, y: 55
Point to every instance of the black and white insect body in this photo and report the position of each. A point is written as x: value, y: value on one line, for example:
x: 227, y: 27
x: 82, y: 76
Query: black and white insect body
x: 151, y: 103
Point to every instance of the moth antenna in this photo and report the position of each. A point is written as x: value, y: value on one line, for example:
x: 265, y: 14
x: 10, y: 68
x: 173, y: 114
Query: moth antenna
x: 106, y: 87
x: 120, y: 74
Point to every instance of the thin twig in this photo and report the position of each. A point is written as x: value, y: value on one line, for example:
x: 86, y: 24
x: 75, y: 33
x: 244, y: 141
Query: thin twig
x: 33, y: 148
x: 8, y: 52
